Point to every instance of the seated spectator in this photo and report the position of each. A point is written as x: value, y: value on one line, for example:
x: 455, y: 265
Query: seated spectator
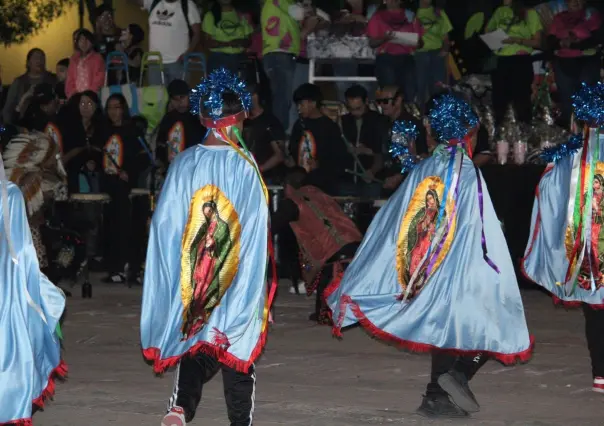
x: 120, y: 149
x: 179, y: 129
x: 316, y: 142
x: 62, y: 67
x: 367, y: 131
x: 106, y: 32
x: 394, y: 62
x: 264, y: 136
x: 22, y: 89
x: 86, y: 67
x: 41, y: 115
x: 130, y: 43
x: 227, y: 35
x: 431, y: 58
x: 574, y: 36
x: 82, y: 125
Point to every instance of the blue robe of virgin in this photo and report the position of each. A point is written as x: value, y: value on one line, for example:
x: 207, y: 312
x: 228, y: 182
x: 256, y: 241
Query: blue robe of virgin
x: 30, y: 310
x: 205, y: 287
x: 574, y: 177
x: 464, y: 297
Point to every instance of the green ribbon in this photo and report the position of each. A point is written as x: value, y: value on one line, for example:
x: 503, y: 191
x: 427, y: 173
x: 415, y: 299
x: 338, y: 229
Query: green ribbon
x: 59, y: 332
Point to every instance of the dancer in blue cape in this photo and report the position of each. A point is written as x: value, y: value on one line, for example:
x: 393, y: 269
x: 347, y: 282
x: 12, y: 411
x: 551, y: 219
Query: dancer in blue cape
x: 433, y: 273
x: 565, y: 254
x: 30, y: 310
x: 206, y: 298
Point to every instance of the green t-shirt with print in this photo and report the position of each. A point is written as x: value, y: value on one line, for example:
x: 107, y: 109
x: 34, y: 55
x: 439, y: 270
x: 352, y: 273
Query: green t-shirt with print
x: 232, y: 26
x: 436, y: 26
x: 503, y: 19
x: 280, y: 31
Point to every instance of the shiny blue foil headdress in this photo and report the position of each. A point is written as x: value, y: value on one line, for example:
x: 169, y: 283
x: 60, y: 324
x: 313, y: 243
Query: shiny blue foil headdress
x: 588, y: 103
x: 451, y: 118
x: 210, y: 91
x: 404, y: 133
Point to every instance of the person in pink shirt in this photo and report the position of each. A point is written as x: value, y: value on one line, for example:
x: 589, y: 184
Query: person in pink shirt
x: 574, y: 37
x: 394, y: 63
x: 86, y: 67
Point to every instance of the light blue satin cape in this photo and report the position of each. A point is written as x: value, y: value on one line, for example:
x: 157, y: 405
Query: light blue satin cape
x: 241, y: 314
x: 30, y: 309
x: 466, y: 306
x: 546, y: 261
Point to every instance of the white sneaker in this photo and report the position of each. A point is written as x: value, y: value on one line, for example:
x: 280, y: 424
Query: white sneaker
x: 598, y: 385
x: 301, y: 288
x: 176, y: 417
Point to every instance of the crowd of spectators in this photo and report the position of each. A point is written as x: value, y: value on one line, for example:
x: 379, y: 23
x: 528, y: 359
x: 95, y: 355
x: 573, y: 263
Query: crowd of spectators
x: 106, y: 150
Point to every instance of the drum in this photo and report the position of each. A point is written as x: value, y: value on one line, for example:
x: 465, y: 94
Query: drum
x: 90, y: 198
x: 139, y: 192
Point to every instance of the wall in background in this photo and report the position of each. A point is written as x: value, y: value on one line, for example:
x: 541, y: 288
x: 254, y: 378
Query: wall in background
x: 55, y: 39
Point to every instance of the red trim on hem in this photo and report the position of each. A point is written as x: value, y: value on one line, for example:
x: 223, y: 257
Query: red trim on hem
x: 346, y: 301
x: 60, y: 372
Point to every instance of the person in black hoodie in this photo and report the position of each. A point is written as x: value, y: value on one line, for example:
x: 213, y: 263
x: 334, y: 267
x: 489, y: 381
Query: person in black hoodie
x: 179, y: 129
x: 120, y: 151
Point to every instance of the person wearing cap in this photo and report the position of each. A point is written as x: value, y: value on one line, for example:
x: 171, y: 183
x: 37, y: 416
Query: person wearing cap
x: 434, y: 273
x: 29, y: 316
x: 206, y: 299
x: 179, y: 129
x: 86, y: 67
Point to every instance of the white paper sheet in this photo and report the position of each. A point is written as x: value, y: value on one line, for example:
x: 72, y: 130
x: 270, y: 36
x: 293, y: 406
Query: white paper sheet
x: 494, y: 40
x: 406, y: 39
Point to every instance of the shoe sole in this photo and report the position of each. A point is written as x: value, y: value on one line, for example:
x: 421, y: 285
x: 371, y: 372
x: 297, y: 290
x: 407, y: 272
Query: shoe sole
x: 457, y: 394
x: 432, y: 415
x: 598, y: 390
x: 172, y: 420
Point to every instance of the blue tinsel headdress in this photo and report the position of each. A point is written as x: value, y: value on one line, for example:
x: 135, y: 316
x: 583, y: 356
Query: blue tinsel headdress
x: 451, y: 117
x: 210, y: 91
x: 588, y: 103
x: 403, y: 134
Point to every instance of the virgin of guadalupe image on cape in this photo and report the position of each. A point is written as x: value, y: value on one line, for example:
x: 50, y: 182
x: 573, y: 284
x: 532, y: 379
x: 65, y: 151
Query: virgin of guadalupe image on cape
x: 209, y: 249
x: 421, y: 233
x: 594, y: 260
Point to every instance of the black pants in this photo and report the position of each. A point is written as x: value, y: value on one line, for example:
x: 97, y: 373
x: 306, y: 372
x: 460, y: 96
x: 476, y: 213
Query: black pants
x: 444, y: 362
x: 512, y: 85
x: 141, y: 208
x: 239, y: 388
x: 594, y: 330
x: 118, y: 221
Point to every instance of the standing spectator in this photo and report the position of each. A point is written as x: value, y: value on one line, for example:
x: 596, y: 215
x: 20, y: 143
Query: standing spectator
x: 524, y: 29
x: 62, y: 67
x: 574, y: 36
x: 130, y: 43
x: 265, y: 136
x: 227, y: 34
x: 174, y: 31
x: 394, y: 62
x: 431, y: 59
x: 22, y: 88
x: 368, y: 132
x: 179, y: 129
x: 86, y: 67
x: 106, y: 32
x: 120, y: 150
x: 316, y: 142
x: 281, y: 37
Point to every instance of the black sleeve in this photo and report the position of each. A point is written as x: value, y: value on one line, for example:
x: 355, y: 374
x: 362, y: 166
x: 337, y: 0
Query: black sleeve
x: 161, y: 152
x: 336, y: 152
x: 288, y: 212
x: 276, y: 130
x: 380, y: 135
x: 482, y: 141
x: 294, y: 140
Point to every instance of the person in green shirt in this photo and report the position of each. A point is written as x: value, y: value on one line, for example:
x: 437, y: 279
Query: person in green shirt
x: 513, y: 77
x: 227, y: 34
x: 431, y: 59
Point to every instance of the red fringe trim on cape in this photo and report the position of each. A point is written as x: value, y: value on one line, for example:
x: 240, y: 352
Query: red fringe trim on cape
x: 556, y: 300
x: 346, y: 302
x: 60, y: 372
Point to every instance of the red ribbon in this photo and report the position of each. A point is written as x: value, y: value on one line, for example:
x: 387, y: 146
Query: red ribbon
x: 210, y: 123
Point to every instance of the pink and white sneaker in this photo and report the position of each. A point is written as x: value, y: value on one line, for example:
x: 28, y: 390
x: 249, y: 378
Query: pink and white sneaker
x: 599, y: 385
x: 176, y: 417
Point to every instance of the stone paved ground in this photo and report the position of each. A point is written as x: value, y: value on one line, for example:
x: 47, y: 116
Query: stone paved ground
x: 306, y: 378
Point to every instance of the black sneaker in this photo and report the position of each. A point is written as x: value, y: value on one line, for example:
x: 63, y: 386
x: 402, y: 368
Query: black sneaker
x: 118, y: 278
x: 440, y: 406
x: 456, y: 385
